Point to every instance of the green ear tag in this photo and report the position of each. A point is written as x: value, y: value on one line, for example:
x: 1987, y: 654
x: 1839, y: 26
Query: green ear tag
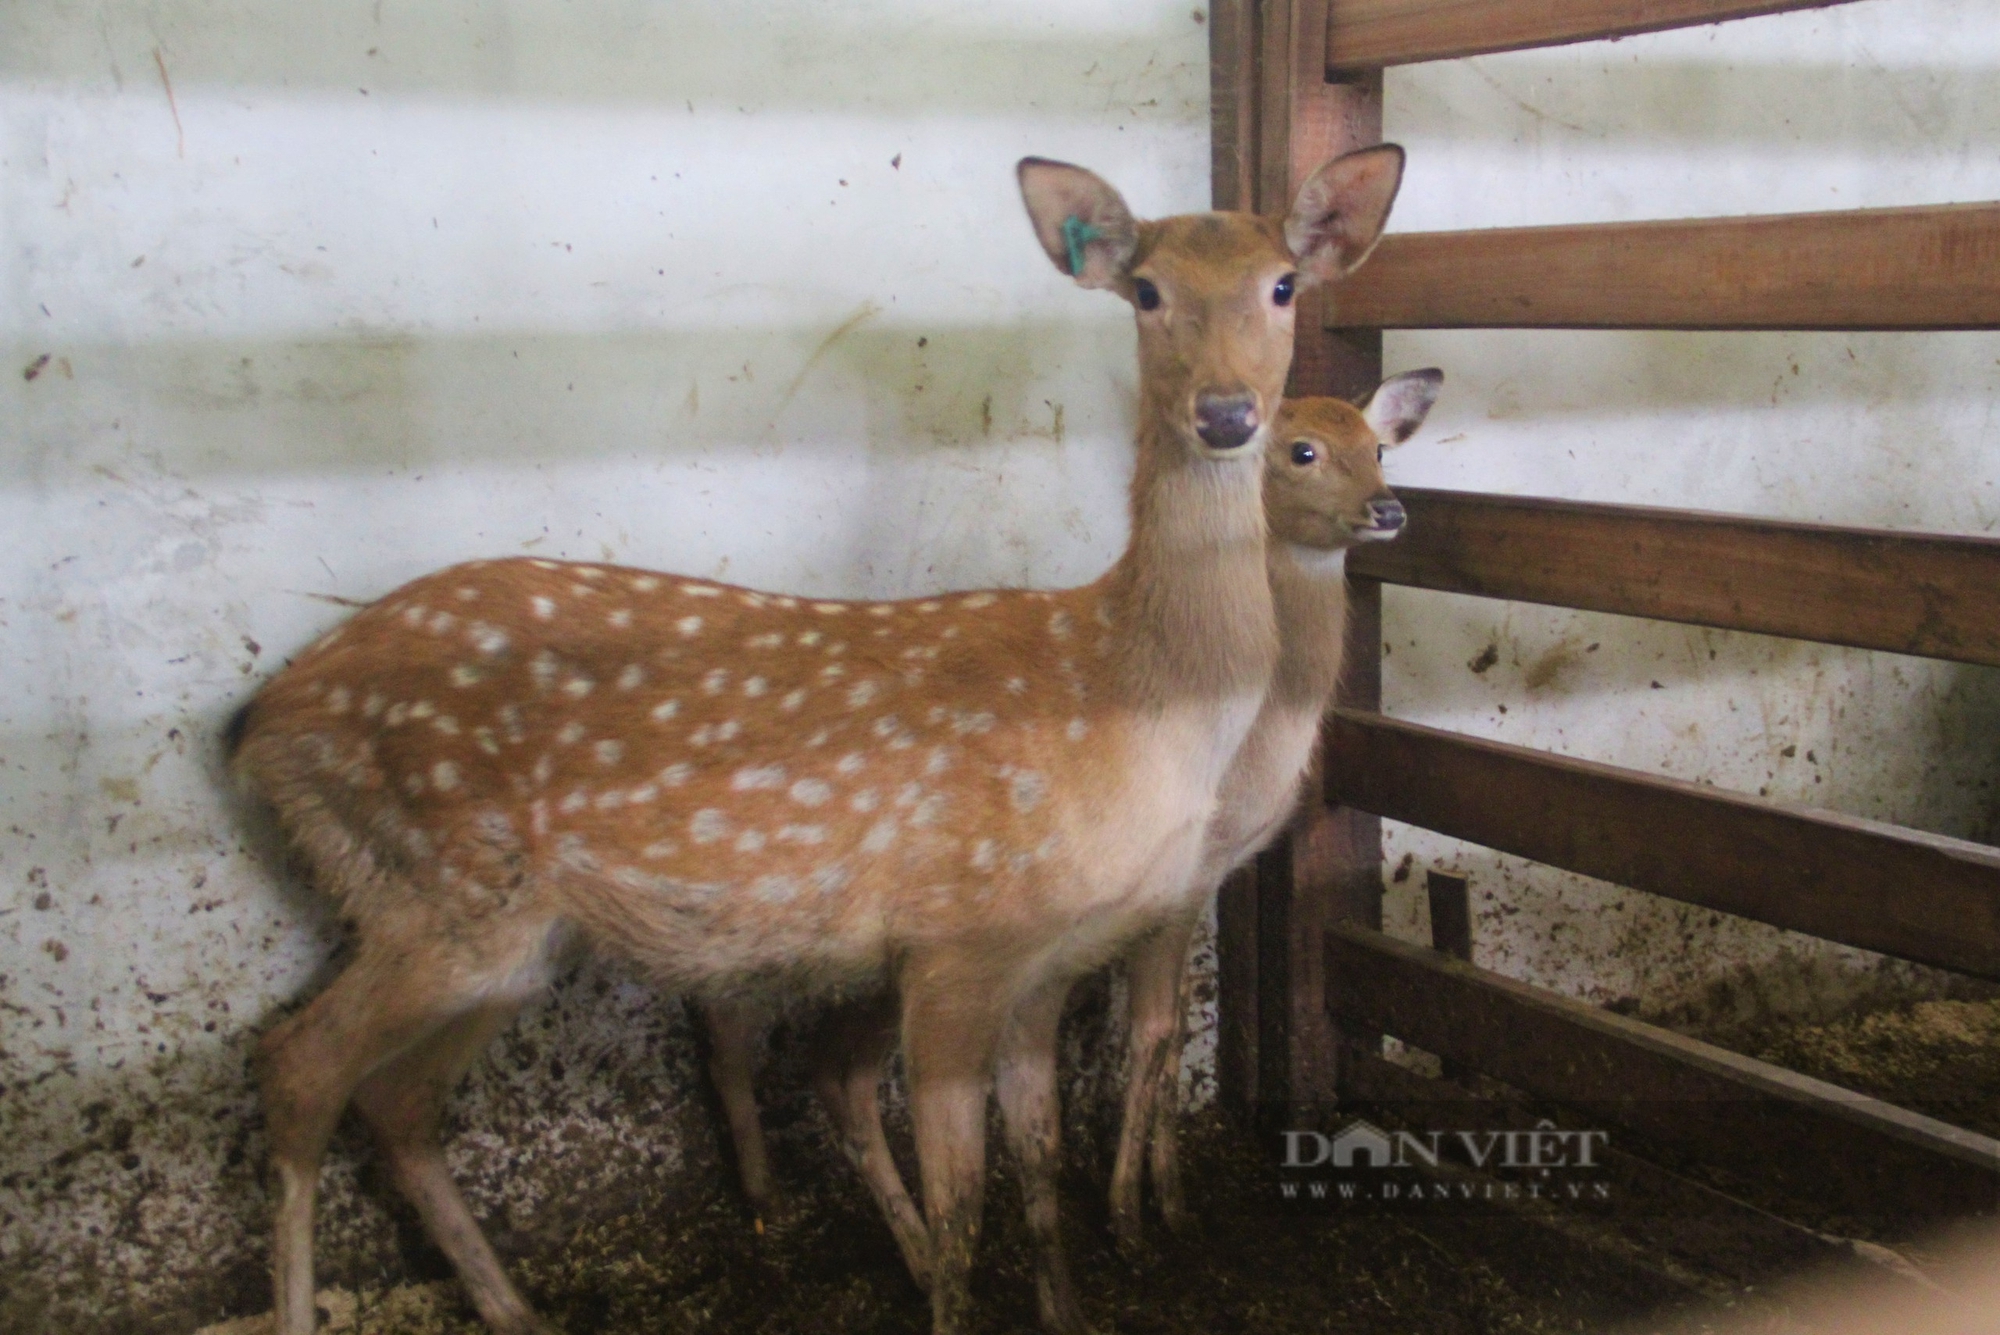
x: 1076, y: 235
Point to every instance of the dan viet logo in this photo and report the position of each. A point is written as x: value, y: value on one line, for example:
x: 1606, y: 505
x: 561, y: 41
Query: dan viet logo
x: 1364, y: 1165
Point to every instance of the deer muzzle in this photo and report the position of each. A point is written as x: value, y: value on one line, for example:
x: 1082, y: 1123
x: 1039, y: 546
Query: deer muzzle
x: 1226, y: 422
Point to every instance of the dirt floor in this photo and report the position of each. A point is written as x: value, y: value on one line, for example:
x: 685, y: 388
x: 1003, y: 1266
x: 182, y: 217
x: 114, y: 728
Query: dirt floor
x: 830, y: 1267
x: 664, y: 1262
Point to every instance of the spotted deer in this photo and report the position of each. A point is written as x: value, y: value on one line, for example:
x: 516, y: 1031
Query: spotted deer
x: 968, y: 799
x: 1323, y: 493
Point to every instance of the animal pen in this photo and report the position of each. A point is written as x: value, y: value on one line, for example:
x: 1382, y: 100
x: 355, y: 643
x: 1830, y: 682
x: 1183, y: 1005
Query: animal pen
x: 1309, y: 980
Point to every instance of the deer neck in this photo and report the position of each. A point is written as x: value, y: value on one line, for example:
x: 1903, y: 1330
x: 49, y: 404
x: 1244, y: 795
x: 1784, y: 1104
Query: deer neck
x: 1309, y: 598
x: 1190, y: 602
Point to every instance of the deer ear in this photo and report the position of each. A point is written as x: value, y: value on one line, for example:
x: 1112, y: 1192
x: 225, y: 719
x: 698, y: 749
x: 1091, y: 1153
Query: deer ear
x: 1340, y: 211
x: 1399, y: 404
x: 1080, y: 220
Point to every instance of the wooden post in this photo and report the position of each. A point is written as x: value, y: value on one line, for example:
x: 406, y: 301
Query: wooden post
x: 1274, y: 103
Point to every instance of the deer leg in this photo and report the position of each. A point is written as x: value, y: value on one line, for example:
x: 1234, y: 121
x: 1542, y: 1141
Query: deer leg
x: 1154, y: 970
x: 308, y: 1067
x: 951, y: 1024
x: 403, y: 1100
x: 856, y: 1040
x: 734, y: 1030
x: 1025, y: 1080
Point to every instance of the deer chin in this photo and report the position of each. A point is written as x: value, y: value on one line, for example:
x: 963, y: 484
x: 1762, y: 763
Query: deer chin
x: 1251, y: 448
x: 1321, y: 561
x: 1373, y: 534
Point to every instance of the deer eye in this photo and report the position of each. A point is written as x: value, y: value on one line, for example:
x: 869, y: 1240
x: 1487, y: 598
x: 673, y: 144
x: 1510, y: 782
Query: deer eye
x: 1145, y: 294
x: 1281, y: 291
x: 1304, y: 453
x: 1378, y: 452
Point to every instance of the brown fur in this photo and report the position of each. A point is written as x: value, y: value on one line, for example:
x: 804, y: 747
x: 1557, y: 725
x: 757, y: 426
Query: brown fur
x: 972, y: 798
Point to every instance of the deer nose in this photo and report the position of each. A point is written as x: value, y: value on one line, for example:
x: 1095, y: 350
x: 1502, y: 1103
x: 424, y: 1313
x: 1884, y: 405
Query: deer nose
x: 1387, y: 516
x: 1226, y: 421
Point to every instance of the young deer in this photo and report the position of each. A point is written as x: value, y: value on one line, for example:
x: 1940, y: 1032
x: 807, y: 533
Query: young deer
x: 1323, y: 493
x: 968, y: 799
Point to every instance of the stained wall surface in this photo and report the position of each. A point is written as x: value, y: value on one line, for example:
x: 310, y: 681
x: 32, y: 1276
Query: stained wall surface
x: 1884, y: 102
x: 300, y: 301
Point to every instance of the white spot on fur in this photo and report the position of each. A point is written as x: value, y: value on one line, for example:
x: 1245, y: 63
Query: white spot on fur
x: 983, y: 855
x: 373, y: 705
x: 861, y: 693
x: 810, y: 638
x: 465, y: 675
x: 570, y: 733
x: 707, y: 825
x: 979, y: 722
x: 802, y: 834
x: 578, y: 687
x: 660, y: 848
x: 701, y: 591
x: 1027, y: 789
x: 1060, y: 625
x: 829, y: 609
x: 643, y: 583
x: 775, y: 889
x: 488, y: 640
x: 446, y: 724
x: 422, y: 709
x: 544, y: 608
x: 442, y: 622
x: 830, y: 878
x: 1076, y: 729
x: 927, y: 811
x: 938, y: 761
x: 886, y: 725
x: 882, y: 609
x: 716, y: 679
x: 757, y: 777
x: 792, y: 700
x: 487, y: 741
x: 544, y: 768
x: 444, y: 776
x: 811, y: 792
x: 338, y: 699
x: 676, y: 774
x: 413, y: 616
x: 688, y: 626
x: 540, y: 564
x: 750, y: 841
x: 510, y: 719
x: 851, y: 763
x: 930, y: 606
x: 610, y: 799
x: 538, y: 817
x: 577, y: 800
x: 398, y: 712
x: 702, y: 736
x: 1017, y: 685
x: 588, y: 572
x: 621, y: 619
x: 756, y: 686
x: 832, y: 670
x: 631, y: 677
x: 865, y: 801
x: 543, y: 668
x: 769, y: 640
x: 881, y: 835
x: 754, y: 600
x: 978, y: 600
x: 665, y: 710
x: 608, y: 752
x: 643, y: 794
x: 727, y: 729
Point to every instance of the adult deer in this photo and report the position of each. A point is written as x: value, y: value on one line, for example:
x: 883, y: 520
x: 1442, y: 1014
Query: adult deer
x: 970, y: 799
x: 1323, y: 493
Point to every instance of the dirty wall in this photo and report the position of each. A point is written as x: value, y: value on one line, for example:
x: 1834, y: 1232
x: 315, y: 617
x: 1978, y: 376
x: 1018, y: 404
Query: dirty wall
x: 301, y: 301
x: 1886, y: 102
